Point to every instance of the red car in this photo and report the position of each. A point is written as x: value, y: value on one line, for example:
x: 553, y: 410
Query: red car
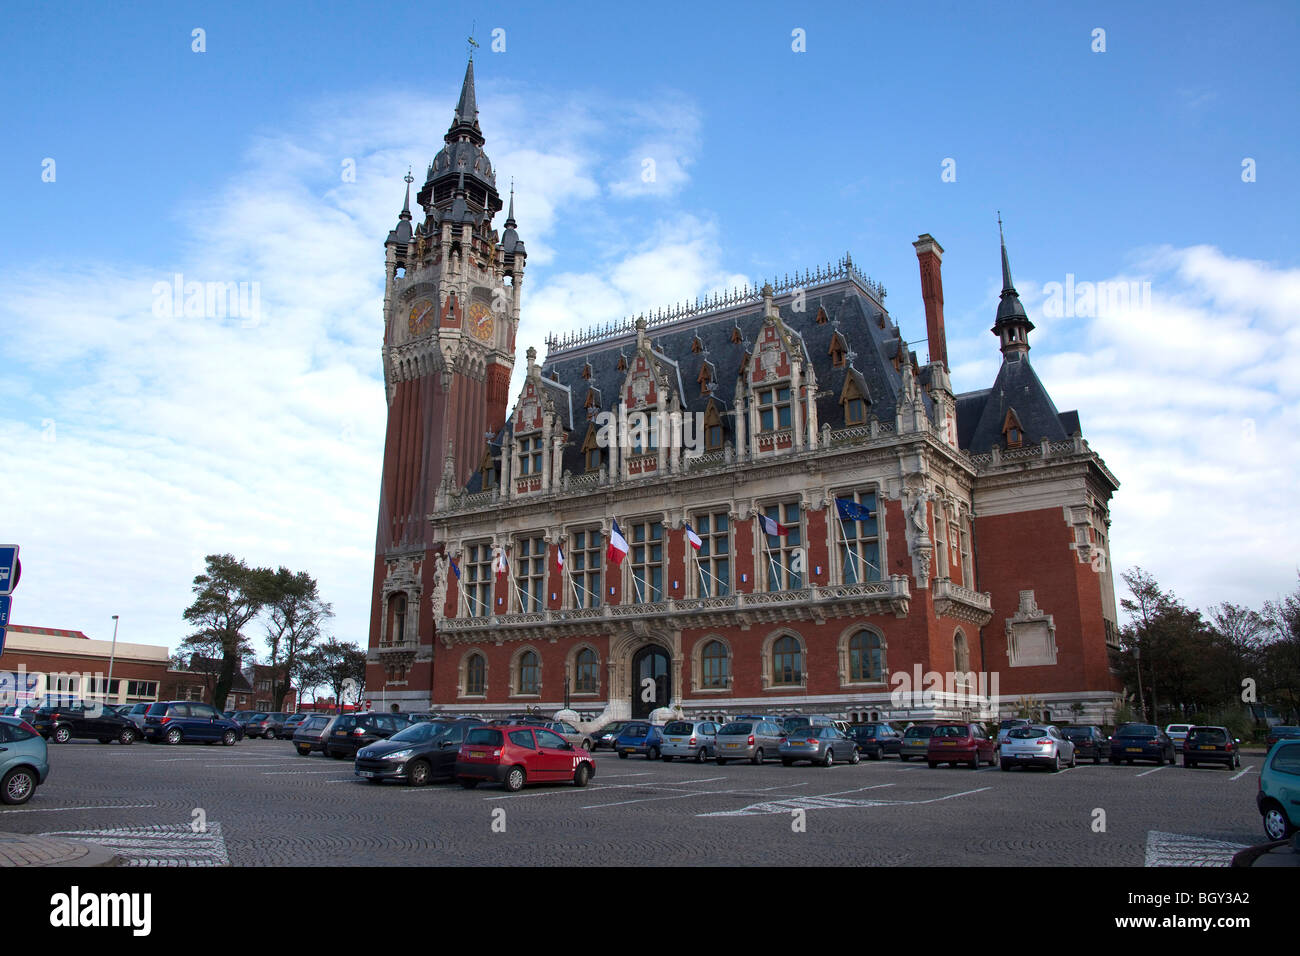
x: 515, y: 755
x: 961, y: 743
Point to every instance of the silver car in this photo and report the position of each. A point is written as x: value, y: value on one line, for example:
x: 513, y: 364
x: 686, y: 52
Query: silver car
x: 694, y: 739
x: 752, y: 740
x: 1041, y: 746
x: 1178, y: 734
x: 823, y: 745
x: 570, y: 733
x: 135, y: 713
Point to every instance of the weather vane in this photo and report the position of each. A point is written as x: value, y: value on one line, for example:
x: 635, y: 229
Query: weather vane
x: 473, y: 44
x: 408, y: 177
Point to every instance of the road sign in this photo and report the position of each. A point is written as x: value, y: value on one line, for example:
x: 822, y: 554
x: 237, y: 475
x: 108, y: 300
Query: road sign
x: 10, y: 569
x: 4, y: 619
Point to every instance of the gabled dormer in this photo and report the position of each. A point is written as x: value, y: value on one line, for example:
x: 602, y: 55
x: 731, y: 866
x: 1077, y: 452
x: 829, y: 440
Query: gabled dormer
x: 781, y: 385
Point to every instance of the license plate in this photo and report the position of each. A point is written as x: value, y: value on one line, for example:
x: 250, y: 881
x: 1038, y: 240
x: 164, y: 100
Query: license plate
x: 948, y: 743
x: 477, y: 753
x: 1208, y: 747
x: 675, y: 740
x: 1132, y: 750
x: 340, y: 733
x: 367, y: 773
x: 732, y: 746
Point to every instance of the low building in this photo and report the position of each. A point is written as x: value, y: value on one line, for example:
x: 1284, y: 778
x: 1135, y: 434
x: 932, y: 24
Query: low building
x: 44, y: 661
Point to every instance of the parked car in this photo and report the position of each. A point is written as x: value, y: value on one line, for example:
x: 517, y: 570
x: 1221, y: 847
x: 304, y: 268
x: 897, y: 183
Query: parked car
x: 351, y: 732
x: 916, y: 742
x: 1281, y: 732
x: 752, y: 740
x: 1033, y: 746
x: 640, y: 737
x: 291, y: 724
x: 798, y: 722
x: 954, y: 743
x: 1211, y: 745
x: 876, y: 740
x: 84, y: 720
x: 264, y: 724
x: 1141, y: 742
x: 1278, y: 797
x: 569, y: 732
x: 313, y: 734
x: 1009, y: 724
x: 135, y: 713
x: 416, y: 755
x: 823, y: 745
x: 1178, y: 734
x: 690, y: 738
x: 184, y: 721
x: 520, y: 754
x: 24, y: 760
x: 1089, y: 742
x: 606, y: 735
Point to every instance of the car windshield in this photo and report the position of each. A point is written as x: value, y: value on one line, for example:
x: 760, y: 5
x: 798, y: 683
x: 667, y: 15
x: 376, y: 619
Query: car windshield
x: 679, y: 727
x: 1073, y: 732
x: 793, y: 723
x: 419, y: 733
x: 1208, y: 735
x: 635, y: 730
x: 1027, y: 733
x: 259, y: 717
x: 735, y: 729
x: 314, y: 723
x: 951, y: 732
x: 484, y: 736
x: 919, y: 731
x: 1011, y: 723
x: 1178, y: 728
x: 1137, y: 730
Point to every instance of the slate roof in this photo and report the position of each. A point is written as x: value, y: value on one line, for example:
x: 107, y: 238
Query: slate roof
x: 980, y: 415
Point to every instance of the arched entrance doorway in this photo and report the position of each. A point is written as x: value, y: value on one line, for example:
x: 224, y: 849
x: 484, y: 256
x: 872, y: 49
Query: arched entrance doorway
x: 652, y: 683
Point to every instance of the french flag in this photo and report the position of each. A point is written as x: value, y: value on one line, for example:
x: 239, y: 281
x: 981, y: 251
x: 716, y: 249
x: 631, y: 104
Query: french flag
x: 617, y: 549
x: 693, y: 538
x: 771, y: 527
x: 502, y: 565
x: 559, y: 556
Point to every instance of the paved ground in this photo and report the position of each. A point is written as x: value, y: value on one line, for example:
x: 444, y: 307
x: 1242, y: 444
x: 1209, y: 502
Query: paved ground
x: 259, y: 803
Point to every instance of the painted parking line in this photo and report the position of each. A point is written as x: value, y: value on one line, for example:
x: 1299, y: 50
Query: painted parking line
x: 830, y: 801
x: 118, y: 806
x: 700, y: 793
x: 669, y: 784
x: 1243, y: 773
x: 1152, y: 770
x: 285, y: 773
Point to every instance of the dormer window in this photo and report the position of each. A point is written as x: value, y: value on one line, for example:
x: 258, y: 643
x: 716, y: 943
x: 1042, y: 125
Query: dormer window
x: 854, y: 401
x: 530, y: 455
x: 836, y: 351
x: 591, y: 452
x: 821, y: 315
x: 1012, y: 432
x: 696, y: 345
x: 712, y: 428
x: 774, y: 408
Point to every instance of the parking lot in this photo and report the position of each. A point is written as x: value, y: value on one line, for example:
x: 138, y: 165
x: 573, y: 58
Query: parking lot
x: 259, y: 803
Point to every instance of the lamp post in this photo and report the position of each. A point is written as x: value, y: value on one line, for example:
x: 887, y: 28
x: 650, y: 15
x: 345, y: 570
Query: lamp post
x: 111, y: 655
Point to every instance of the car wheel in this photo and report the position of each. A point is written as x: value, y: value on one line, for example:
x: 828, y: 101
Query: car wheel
x: 1074, y: 759
x: 934, y: 764
x: 17, y: 786
x: 668, y: 759
x: 467, y: 783
x: 700, y: 755
x: 1056, y: 763
x: 126, y: 738
x: 653, y: 754
x: 786, y: 763
x: 720, y: 761
x: 829, y: 759
x: 417, y: 774
x: 622, y: 755
x: 903, y: 757
x: 174, y: 735
x: 1236, y: 762
x: 975, y: 759
x: 581, y: 775
x: 1128, y: 762
x: 1276, y: 825
x: 1114, y: 761
x: 62, y: 735
x: 304, y: 751
x: 1006, y: 764
x: 1096, y: 759
x: 855, y: 758
x: 336, y: 755
x: 105, y: 740
x: 515, y: 779
x: 270, y: 735
x: 878, y: 755
x: 758, y: 756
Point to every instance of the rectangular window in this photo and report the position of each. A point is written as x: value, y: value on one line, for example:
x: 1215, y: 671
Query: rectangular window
x: 860, y: 541
x: 476, y: 576
x: 855, y: 412
x: 530, y: 455
x: 940, y: 543
x: 141, y: 688
x: 530, y: 573
x: 783, y: 554
x: 967, y: 569
x: 585, y: 559
x: 647, y: 545
x: 774, y: 409
x: 714, y: 556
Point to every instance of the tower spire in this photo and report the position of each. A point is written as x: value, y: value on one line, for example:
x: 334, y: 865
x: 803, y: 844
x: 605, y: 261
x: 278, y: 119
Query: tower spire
x: 1012, y: 325
x: 467, y: 106
x: 406, y: 204
x: 510, y: 215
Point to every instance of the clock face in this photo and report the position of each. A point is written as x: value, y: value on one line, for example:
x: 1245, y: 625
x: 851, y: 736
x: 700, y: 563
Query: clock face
x: 421, y: 318
x: 480, y: 321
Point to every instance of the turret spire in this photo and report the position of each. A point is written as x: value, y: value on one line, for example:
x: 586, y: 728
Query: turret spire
x: 1012, y: 325
x: 510, y: 215
x: 467, y: 107
x: 406, y: 204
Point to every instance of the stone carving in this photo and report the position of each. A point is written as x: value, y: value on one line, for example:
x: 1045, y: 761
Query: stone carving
x: 442, y: 567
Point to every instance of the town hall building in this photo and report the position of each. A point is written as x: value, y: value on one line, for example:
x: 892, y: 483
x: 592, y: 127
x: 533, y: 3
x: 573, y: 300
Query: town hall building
x: 759, y: 502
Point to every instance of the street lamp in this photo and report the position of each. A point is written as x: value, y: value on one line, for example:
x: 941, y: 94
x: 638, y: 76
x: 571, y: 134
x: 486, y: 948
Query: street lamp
x: 111, y: 654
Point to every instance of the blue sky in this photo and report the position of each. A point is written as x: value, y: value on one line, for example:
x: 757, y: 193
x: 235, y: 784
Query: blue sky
x: 147, y: 442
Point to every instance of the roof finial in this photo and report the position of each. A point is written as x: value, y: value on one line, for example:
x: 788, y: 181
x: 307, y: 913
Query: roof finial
x: 472, y: 43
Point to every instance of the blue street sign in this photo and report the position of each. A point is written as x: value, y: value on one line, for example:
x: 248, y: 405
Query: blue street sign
x: 4, y: 620
x: 9, y: 567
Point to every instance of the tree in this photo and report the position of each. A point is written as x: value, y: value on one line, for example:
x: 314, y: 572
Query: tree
x: 228, y: 595
x: 296, y: 614
x: 1280, y: 655
x: 341, y: 666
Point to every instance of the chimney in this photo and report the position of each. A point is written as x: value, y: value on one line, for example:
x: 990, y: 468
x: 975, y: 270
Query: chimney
x: 930, y: 254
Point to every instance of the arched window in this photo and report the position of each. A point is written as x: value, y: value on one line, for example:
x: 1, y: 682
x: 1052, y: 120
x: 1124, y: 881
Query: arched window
x: 960, y: 653
x: 866, y: 658
x: 715, y: 665
x: 399, y: 618
x: 787, y: 661
x: 476, y: 675
x: 529, y: 681
x: 586, y: 673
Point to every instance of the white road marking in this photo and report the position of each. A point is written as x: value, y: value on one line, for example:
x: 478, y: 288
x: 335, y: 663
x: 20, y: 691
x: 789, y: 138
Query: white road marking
x: 1244, y: 772
x: 120, y: 806
x: 1179, y: 849
x: 164, y: 845
x: 1152, y: 770
x: 284, y: 773
x: 667, y: 785
x: 693, y: 793
x: 829, y: 802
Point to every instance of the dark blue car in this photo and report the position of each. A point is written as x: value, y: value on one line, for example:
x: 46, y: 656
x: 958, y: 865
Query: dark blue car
x: 186, y: 721
x: 640, y: 737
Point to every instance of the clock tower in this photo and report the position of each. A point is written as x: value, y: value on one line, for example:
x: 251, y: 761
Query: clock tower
x: 451, y: 311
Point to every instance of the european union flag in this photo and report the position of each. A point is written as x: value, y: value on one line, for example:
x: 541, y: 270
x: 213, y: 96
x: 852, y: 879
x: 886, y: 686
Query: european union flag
x: 850, y: 510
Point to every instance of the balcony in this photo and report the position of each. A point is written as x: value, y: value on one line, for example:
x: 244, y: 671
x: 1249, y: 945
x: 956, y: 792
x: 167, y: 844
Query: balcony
x: 743, y: 610
x: 962, y: 603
